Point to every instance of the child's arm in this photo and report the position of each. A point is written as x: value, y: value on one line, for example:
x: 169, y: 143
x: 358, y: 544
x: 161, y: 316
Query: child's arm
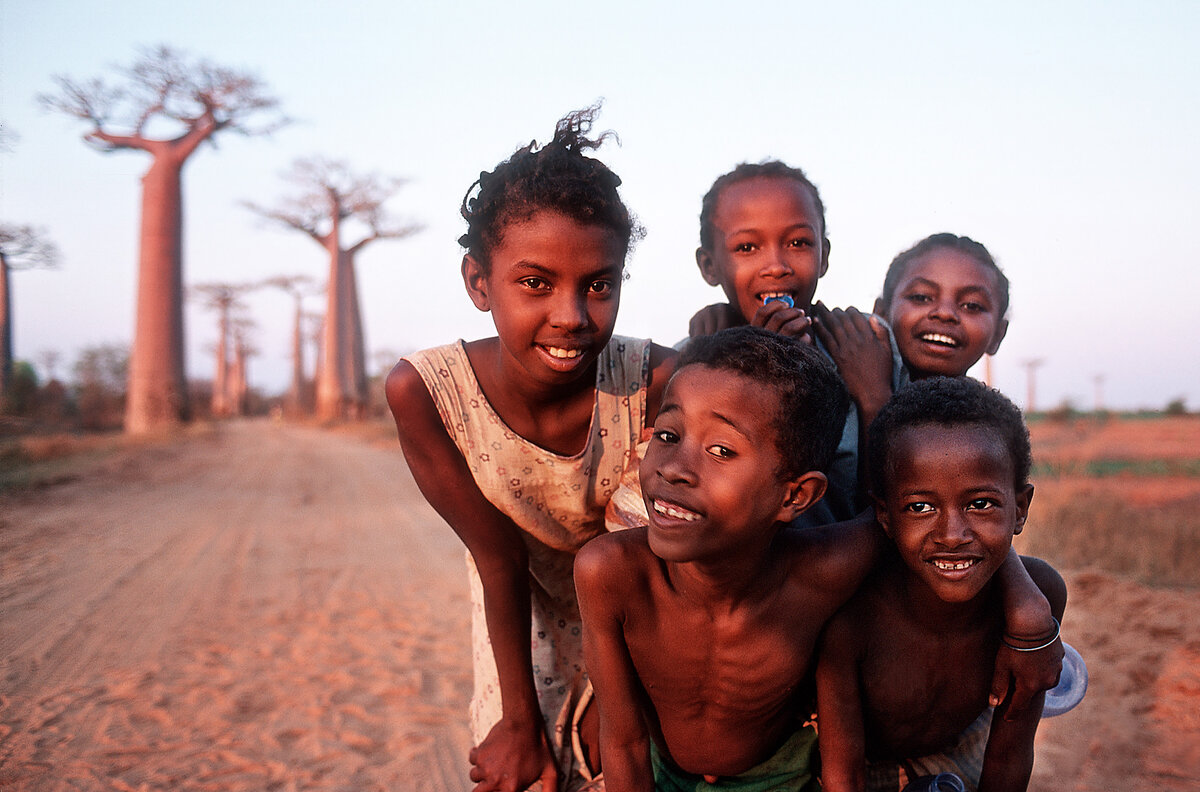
x: 517, y: 746
x: 601, y: 577
x: 712, y: 318
x: 839, y: 709
x: 859, y: 345
x: 1027, y: 618
x: 1008, y: 758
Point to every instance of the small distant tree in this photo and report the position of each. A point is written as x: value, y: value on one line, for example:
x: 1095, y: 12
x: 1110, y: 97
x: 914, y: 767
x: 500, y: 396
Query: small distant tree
x: 21, y: 247
x: 225, y: 299
x: 329, y: 196
x: 100, y: 375
x: 1177, y: 406
x: 167, y: 107
x: 298, y: 287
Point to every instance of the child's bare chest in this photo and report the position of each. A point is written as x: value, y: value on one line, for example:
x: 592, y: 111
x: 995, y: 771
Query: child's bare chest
x: 926, y: 691
x: 746, y: 666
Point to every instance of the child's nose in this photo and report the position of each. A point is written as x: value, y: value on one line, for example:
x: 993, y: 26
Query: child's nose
x: 946, y: 310
x: 776, y: 263
x: 953, y: 530
x: 677, y: 466
x: 569, y: 311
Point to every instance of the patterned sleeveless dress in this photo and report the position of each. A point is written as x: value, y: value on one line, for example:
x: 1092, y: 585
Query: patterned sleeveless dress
x: 557, y: 501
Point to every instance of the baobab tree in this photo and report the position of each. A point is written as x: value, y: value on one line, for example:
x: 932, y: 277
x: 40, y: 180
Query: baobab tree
x: 298, y: 287
x: 225, y: 299
x: 328, y: 197
x: 188, y: 102
x: 21, y: 247
x: 243, y: 350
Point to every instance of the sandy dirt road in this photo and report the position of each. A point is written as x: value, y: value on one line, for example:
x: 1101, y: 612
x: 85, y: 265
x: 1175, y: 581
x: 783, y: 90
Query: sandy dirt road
x: 270, y: 607
x: 263, y: 607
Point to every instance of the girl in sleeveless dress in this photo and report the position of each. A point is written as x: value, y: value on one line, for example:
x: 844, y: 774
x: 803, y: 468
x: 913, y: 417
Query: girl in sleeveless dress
x: 520, y: 440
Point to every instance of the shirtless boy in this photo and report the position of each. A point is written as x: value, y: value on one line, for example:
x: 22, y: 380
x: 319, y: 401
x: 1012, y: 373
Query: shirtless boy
x: 904, y: 669
x: 700, y: 629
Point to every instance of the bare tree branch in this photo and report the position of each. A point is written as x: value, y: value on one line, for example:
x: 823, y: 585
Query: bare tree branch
x: 26, y: 247
x: 162, y: 87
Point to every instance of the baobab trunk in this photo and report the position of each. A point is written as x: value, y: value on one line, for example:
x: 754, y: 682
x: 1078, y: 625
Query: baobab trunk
x: 333, y: 391
x: 6, y: 344
x: 296, y: 394
x: 157, y: 397
x: 220, y: 394
x: 354, y: 339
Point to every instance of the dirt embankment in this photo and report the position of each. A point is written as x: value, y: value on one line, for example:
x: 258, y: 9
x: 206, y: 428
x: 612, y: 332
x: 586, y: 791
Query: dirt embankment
x: 272, y: 607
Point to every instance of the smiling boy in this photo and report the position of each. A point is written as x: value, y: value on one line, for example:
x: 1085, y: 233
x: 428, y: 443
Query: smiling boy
x: 700, y: 629
x: 905, y: 668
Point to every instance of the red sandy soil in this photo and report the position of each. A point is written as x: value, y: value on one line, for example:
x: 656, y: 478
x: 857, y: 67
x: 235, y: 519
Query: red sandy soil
x: 267, y: 607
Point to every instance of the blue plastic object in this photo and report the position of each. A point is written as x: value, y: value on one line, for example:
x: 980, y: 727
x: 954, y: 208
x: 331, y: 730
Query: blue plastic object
x: 942, y: 782
x: 1071, y: 687
x: 786, y: 299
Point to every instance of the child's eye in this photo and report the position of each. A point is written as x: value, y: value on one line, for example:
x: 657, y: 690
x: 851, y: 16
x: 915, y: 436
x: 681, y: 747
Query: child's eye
x: 745, y: 247
x: 537, y: 284
x: 974, y: 307
x: 982, y: 503
x: 919, y: 507
x: 723, y: 452
x: 800, y: 243
x: 918, y: 297
x: 600, y: 287
x: 665, y: 436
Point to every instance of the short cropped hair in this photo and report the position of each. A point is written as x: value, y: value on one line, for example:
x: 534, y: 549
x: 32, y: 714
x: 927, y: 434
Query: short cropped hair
x: 558, y: 176
x: 745, y: 172
x: 946, y: 401
x: 943, y: 241
x: 812, y: 401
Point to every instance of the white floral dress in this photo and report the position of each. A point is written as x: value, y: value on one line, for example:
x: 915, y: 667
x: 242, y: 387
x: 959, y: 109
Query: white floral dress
x: 557, y: 501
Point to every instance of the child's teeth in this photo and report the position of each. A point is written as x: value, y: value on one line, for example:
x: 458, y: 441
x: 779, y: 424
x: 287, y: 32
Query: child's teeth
x: 940, y: 339
x: 953, y: 565
x: 671, y: 511
x: 563, y: 353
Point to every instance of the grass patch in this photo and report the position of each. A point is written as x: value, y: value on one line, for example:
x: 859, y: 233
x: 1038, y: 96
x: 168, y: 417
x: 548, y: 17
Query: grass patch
x: 1104, y: 468
x: 1092, y: 525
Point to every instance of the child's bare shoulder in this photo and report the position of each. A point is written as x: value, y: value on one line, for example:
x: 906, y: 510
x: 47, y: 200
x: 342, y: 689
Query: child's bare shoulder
x: 409, y: 399
x: 620, y: 560
x: 839, y: 554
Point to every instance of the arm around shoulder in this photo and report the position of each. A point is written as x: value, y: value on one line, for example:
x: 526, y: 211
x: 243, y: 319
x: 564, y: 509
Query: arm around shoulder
x: 839, y: 708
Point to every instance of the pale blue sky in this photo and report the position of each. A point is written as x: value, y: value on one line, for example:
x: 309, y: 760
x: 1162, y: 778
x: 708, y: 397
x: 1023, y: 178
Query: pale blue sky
x: 1061, y: 135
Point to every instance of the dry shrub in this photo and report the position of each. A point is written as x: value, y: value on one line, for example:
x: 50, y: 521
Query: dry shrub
x: 1111, y: 525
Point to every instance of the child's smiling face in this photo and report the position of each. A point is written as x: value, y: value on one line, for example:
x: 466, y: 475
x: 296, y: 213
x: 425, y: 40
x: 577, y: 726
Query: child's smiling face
x: 767, y: 240
x: 945, y: 314
x: 711, y: 475
x: 952, y: 506
x: 552, y: 287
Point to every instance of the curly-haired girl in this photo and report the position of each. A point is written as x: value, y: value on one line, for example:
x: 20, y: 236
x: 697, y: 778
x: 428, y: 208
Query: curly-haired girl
x: 520, y: 440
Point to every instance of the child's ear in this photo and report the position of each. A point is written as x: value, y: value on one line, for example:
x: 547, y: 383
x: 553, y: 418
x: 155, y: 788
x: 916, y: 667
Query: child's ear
x: 824, y: 256
x: 878, y: 308
x: 998, y: 336
x: 704, y: 261
x: 1024, y: 496
x: 881, y: 515
x: 802, y: 492
x: 475, y: 279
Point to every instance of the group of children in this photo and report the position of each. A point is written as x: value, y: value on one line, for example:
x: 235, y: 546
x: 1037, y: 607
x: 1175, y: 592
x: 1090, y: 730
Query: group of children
x: 825, y: 560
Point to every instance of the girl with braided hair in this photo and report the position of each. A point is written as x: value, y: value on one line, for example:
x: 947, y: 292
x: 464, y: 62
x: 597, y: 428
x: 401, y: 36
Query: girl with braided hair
x: 519, y: 441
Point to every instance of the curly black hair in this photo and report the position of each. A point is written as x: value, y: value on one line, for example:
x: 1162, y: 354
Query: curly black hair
x: 744, y: 172
x: 558, y: 176
x: 812, y: 402
x: 947, y: 401
x: 961, y: 244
